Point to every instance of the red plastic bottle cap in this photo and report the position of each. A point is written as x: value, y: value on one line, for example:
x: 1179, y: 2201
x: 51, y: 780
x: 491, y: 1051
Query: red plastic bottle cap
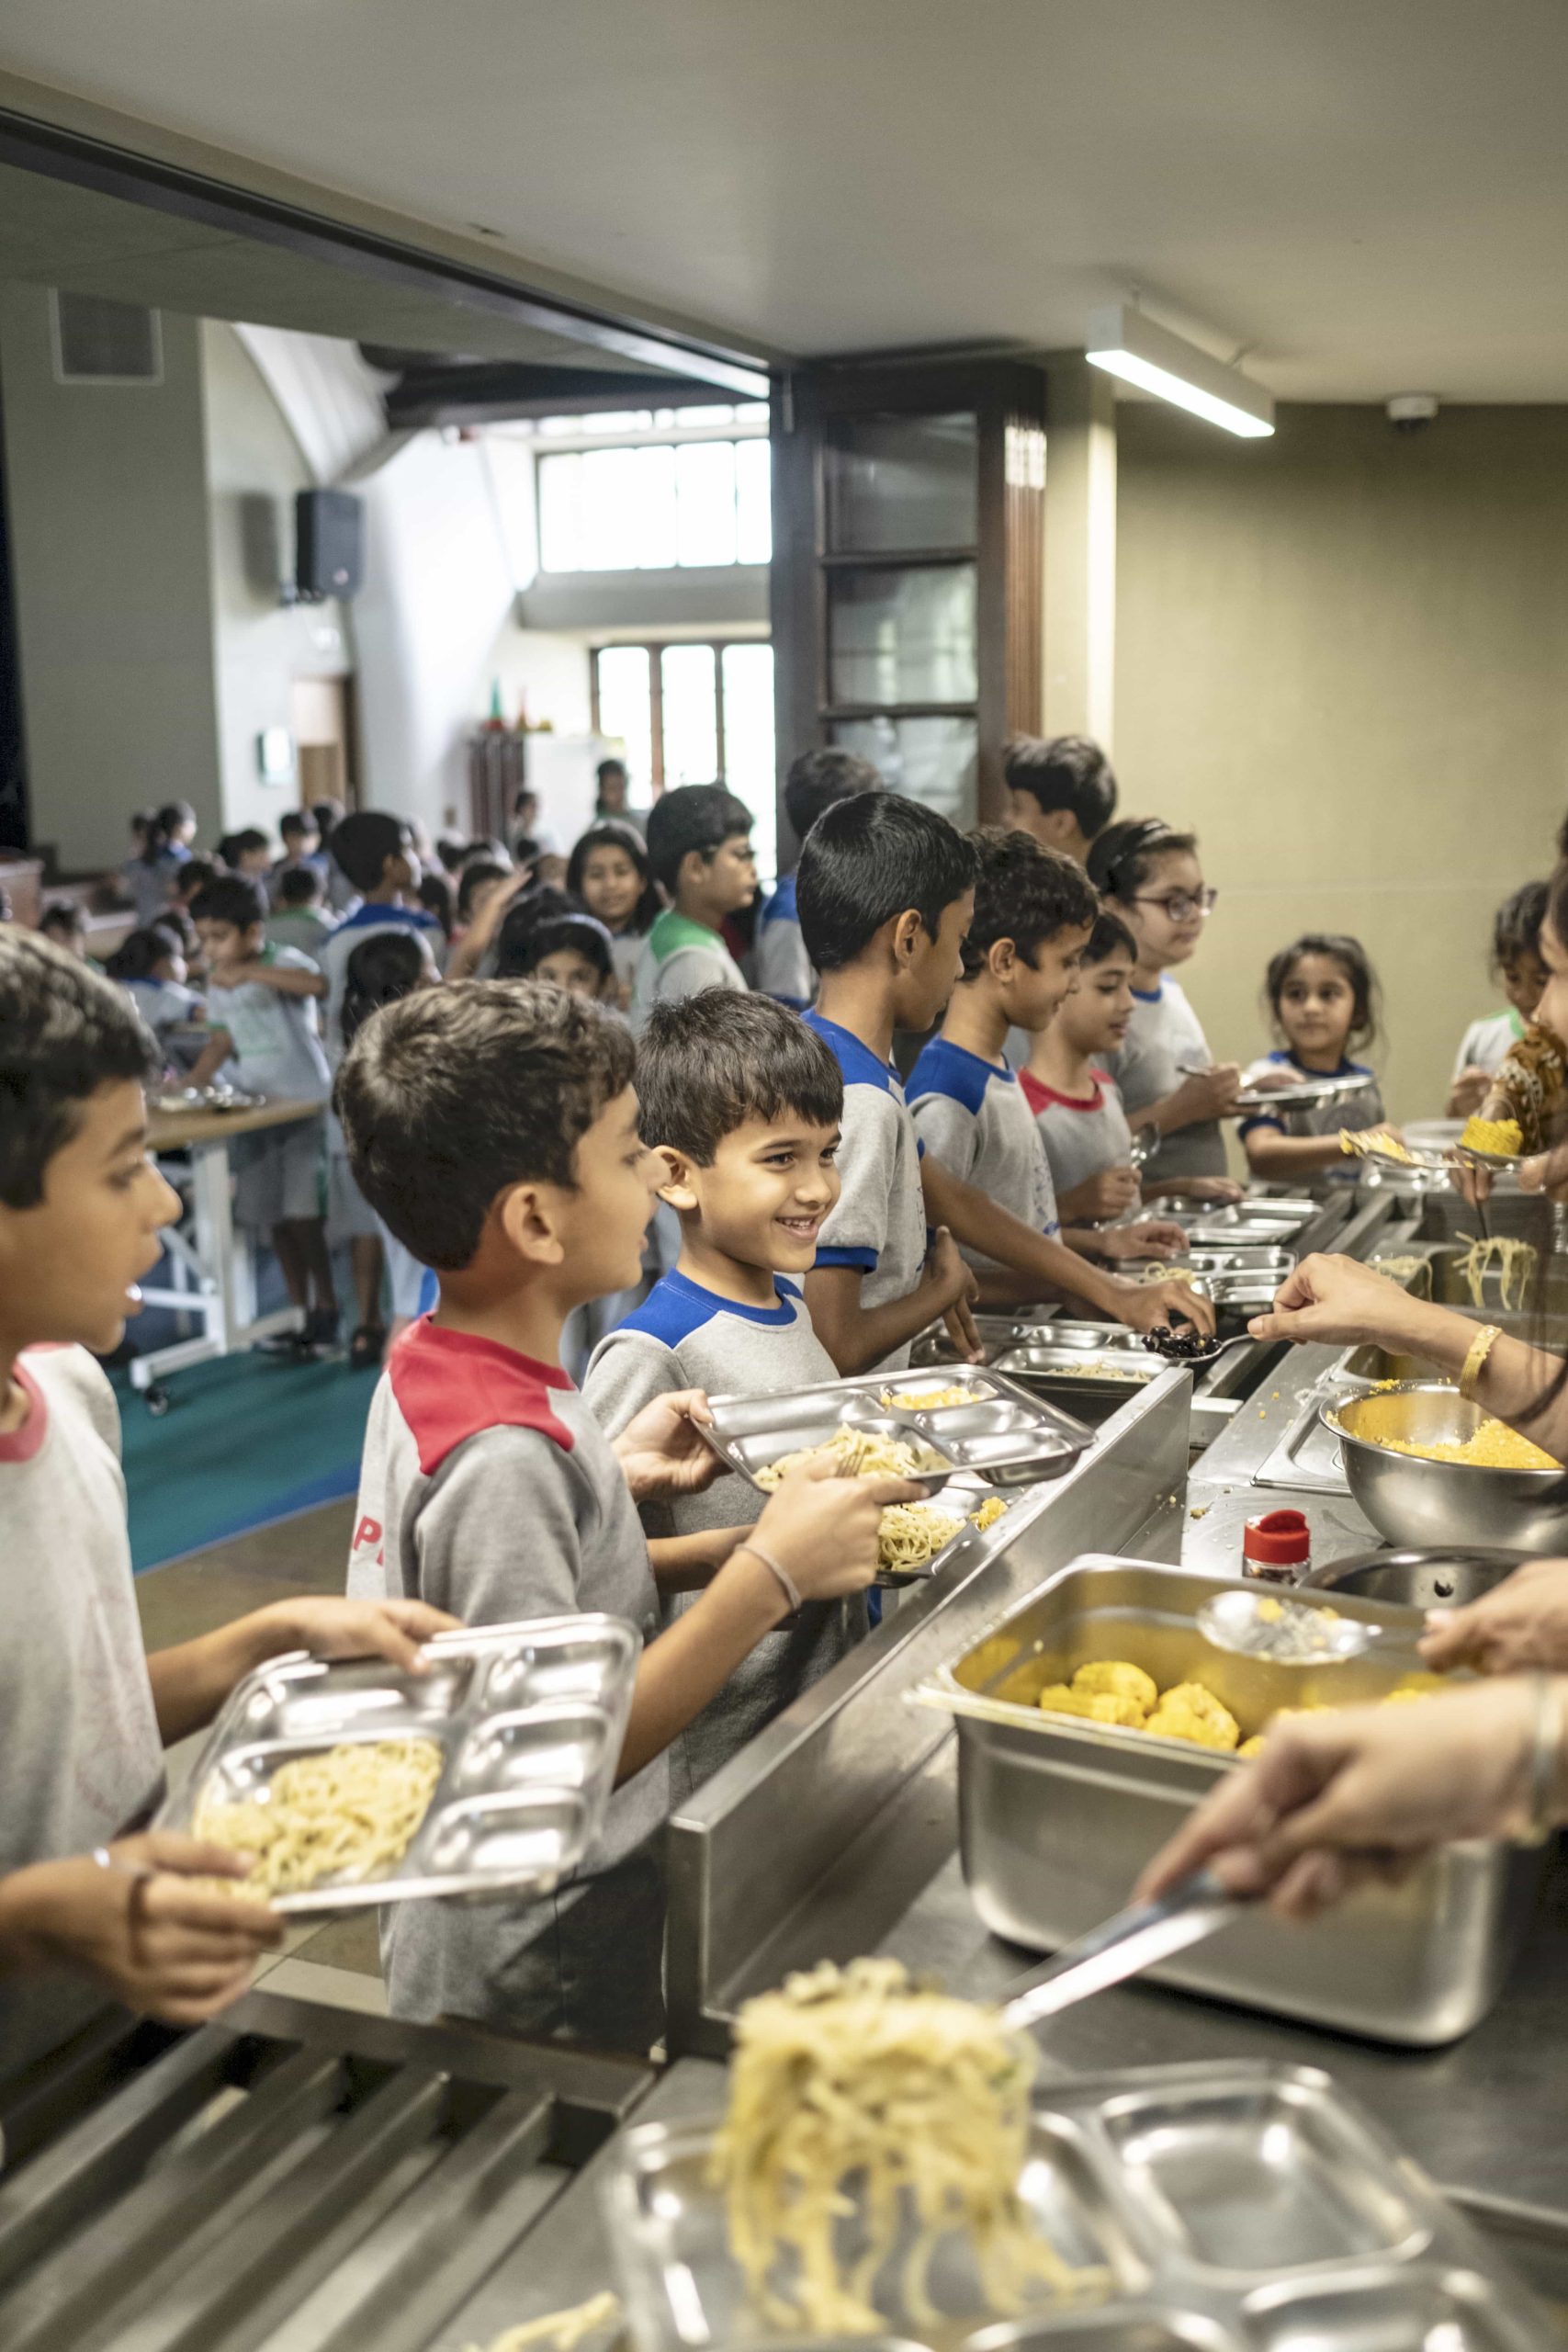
x: 1280, y: 1539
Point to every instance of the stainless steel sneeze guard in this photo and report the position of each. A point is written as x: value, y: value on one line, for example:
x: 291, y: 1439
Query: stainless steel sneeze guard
x: 746, y: 1851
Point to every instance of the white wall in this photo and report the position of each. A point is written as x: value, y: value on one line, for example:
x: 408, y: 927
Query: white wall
x: 255, y: 466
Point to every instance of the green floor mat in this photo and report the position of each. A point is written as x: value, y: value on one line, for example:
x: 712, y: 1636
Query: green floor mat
x: 247, y: 1440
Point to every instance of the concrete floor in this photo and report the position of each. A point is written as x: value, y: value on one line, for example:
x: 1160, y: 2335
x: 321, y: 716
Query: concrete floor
x: 338, y: 1963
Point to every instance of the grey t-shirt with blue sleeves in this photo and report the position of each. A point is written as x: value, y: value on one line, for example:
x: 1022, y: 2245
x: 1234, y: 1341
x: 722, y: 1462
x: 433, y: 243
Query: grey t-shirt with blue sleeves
x: 784, y: 968
x: 879, y: 1223
x: 1165, y: 1041
x: 685, y: 1336
x: 1082, y: 1134
x: 1362, y: 1109
x: 489, y: 1490
x: 972, y: 1117
x: 276, y: 1047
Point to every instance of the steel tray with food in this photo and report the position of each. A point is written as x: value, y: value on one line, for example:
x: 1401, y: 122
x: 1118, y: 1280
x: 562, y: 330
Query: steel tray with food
x: 356, y: 1783
x: 1059, y: 1813
x: 910, y: 1424
x: 1231, y: 2206
x: 1300, y: 1095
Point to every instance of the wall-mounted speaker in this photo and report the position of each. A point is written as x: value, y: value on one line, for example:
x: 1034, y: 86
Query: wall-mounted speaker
x: 328, y: 543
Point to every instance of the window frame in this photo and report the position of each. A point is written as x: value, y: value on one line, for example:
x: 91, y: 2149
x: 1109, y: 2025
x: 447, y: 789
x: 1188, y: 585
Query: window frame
x: 654, y: 647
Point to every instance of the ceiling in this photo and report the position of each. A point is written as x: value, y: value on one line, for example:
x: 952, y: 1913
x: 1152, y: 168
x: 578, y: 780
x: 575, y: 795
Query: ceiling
x: 1365, y: 196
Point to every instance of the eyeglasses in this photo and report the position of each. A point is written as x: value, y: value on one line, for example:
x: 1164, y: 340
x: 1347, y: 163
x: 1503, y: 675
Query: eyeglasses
x: 1179, y: 905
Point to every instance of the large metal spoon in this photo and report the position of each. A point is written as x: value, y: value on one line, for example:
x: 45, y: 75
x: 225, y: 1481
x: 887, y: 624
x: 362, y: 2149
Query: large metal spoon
x: 1134, y: 1940
x: 1285, y: 1632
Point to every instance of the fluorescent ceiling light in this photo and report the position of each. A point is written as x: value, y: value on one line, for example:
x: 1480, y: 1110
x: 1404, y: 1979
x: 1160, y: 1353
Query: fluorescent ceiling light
x: 1126, y: 344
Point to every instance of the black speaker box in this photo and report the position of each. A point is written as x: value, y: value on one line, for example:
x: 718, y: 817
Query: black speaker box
x: 328, y: 543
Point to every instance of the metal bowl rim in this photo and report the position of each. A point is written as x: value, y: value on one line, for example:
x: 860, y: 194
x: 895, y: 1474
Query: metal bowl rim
x: 1368, y: 1445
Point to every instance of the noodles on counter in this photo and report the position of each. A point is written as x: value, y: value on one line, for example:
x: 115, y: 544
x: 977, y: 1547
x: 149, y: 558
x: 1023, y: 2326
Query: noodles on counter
x: 859, y: 2073
x: 346, y: 1813
x: 1513, y: 1263
x: 562, y: 2331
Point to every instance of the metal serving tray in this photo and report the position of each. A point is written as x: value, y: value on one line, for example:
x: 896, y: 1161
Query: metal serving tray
x: 1008, y: 1438
x: 1057, y: 1817
x: 1301, y: 1095
x: 1265, y: 1260
x: 529, y: 1717
x: 1228, y: 2207
x: 997, y: 1333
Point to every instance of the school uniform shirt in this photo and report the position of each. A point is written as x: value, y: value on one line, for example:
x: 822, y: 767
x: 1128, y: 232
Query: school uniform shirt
x: 299, y: 927
x: 680, y: 958
x: 878, y: 1223
x: 318, y: 861
x: 489, y: 1489
x: 1165, y: 1038
x: 1082, y: 1132
x: 1486, y: 1045
x: 625, y: 954
x: 367, y: 918
x: 278, y: 1050
x: 82, y: 1760
x: 784, y: 968
x: 685, y: 1336
x: 1362, y: 1109
x: 149, y: 883
x: 971, y: 1115
x: 169, y: 1008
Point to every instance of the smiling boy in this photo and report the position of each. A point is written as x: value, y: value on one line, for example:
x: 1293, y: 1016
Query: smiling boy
x: 741, y: 1103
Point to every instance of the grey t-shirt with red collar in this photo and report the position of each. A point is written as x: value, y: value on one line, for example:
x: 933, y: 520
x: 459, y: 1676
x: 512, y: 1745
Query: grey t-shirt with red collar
x: 1082, y: 1134
x: 489, y: 1489
x: 81, y: 1760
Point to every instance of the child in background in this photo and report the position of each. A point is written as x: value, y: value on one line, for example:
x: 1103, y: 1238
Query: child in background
x: 885, y: 897
x: 613, y: 800
x: 477, y: 884
x: 495, y: 1127
x: 262, y: 1022
x: 610, y: 873
x: 87, y: 1712
x: 1517, y: 963
x: 1061, y: 793
x: 1322, y: 998
x: 1035, y: 911
x: 1532, y: 1084
x: 741, y: 1102
x: 815, y: 781
x: 571, y: 952
x: 247, y: 853
x: 301, y: 841
x: 383, y: 969
x: 699, y: 847
x: 435, y: 894
x: 150, y: 966
x: 61, y: 922
x: 1168, y: 1076
x: 299, y: 917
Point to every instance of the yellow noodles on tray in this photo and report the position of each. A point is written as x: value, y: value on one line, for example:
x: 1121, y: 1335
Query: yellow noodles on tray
x: 346, y: 1813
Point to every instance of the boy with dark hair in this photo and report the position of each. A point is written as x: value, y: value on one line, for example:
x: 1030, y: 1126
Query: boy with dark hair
x: 1076, y: 1102
x: 494, y: 1126
x: 741, y: 1102
x: 374, y: 854
x: 86, y: 1711
x: 299, y: 917
x: 247, y: 853
x: 1061, y: 793
x: 301, y: 847
x: 815, y: 781
x: 886, y: 895
x: 61, y: 922
x: 1035, y: 911
x: 699, y: 846
x: 264, y: 1037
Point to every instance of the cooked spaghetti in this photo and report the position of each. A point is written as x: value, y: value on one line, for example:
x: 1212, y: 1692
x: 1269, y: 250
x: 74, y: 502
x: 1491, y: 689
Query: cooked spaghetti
x: 346, y: 1813
x: 854, y: 1454
x: 1514, y: 1263
x: 562, y: 2331
x: 912, y: 1533
x: 1503, y: 1138
x: 931, y: 1400
x: 921, y: 2101
x: 1415, y: 1274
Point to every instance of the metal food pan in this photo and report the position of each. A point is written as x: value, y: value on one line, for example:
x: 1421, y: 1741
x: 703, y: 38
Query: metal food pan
x: 529, y: 1719
x: 997, y: 1333
x: 1058, y: 1817
x: 1003, y: 1435
x: 1264, y: 1258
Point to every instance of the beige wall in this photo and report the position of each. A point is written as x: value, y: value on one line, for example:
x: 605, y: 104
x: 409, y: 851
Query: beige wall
x: 1342, y: 655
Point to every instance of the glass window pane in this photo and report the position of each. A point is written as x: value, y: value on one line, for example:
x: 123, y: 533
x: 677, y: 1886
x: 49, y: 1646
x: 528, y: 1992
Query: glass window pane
x: 903, y: 482
x: 747, y: 673
x: 561, y: 513
x: 710, y: 416
x: 691, y: 715
x: 933, y: 760
x: 705, y: 476
x: 628, y: 509
x: 902, y: 636
x: 754, y: 502
x: 626, y: 713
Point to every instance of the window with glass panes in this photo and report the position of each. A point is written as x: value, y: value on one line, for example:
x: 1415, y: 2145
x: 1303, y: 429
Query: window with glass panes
x: 655, y: 490
x: 695, y: 712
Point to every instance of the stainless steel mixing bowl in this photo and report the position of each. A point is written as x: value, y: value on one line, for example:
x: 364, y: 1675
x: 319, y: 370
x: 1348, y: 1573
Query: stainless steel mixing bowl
x: 1411, y: 1500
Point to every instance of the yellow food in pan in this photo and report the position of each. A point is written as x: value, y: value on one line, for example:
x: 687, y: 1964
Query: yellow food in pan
x: 1381, y: 1140
x: 1115, y: 1692
x: 931, y: 1400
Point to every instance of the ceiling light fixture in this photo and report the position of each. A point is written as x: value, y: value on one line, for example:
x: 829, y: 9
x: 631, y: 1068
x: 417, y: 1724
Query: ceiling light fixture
x: 1126, y: 343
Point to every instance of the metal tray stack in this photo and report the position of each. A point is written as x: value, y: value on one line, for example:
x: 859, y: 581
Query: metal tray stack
x: 1261, y: 1221
x: 1006, y: 1437
x: 1234, y: 2207
x: 1057, y: 1817
x: 529, y: 1718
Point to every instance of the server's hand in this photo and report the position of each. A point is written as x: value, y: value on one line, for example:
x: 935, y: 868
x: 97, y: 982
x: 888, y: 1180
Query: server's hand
x: 663, y: 1450
x: 1547, y: 1173
x: 138, y: 1928
x: 1332, y: 1298
x: 1521, y: 1623
x: 1362, y: 1793
x: 824, y: 1532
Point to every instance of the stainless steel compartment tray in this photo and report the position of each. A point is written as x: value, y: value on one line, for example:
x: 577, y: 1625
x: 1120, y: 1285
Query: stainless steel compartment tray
x: 529, y: 1719
x: 1057, y: 1817
x: 1007, y: 1437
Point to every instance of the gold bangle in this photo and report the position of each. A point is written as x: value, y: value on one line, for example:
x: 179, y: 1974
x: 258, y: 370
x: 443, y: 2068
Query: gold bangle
x: 1481, y: 1348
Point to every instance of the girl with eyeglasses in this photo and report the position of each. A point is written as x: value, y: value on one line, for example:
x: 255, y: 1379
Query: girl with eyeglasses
x: 1148, y: 873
